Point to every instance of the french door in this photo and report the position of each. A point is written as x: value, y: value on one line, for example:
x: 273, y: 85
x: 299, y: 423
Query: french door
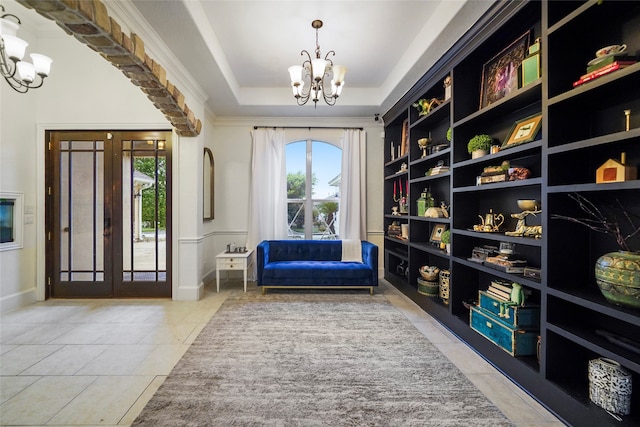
x: 108, y: 214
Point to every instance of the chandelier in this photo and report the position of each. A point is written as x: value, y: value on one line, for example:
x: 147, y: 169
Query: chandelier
x: 20, y: 75
x: 310, y: 80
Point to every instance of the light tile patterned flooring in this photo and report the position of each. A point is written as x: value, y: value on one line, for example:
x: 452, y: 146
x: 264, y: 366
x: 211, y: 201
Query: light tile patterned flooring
x: 98, y: 362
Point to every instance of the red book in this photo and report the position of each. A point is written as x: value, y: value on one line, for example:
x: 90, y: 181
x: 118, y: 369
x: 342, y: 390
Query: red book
x: 599, y: 73
x: 621, y: 63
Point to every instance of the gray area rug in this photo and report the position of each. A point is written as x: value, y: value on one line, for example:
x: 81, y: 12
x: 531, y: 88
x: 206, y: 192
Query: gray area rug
x: 315, y: 359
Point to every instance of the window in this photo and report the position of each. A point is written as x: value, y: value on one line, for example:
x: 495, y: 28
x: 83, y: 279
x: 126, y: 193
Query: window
x: 313, y: 168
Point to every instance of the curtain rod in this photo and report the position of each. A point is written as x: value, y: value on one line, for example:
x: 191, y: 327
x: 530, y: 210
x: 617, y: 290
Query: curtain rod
x: 306, y: 127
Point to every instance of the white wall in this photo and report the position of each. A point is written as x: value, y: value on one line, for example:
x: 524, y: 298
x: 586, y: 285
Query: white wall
x: 86, y: 92
x: 232, y: 151
x: 18, y: 174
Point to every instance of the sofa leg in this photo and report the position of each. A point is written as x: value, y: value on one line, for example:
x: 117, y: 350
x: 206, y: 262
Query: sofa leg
x: 370, y: 290
x: 263, y: 290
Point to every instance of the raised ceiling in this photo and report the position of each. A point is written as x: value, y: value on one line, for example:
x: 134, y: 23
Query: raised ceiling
x: 234, y: 55
x: 239, y: 51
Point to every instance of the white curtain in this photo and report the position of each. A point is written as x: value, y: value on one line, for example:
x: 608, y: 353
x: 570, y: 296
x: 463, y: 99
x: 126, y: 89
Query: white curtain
x: 268, y: 192
x: 353, y: 190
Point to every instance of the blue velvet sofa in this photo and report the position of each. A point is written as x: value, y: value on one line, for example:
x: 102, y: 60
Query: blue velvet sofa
x: 314, y: 264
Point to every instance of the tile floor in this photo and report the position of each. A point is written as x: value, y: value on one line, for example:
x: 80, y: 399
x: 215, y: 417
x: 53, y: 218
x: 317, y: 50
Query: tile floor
x: 98, y: 362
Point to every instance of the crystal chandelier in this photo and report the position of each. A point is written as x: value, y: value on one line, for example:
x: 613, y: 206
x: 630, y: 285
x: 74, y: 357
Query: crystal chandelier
x: 314, y: 75
x: 20, y: 75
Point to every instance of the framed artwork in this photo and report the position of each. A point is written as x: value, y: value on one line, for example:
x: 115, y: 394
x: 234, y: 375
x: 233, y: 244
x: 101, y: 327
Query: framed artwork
x: 523, y: 131
x: 404, y: 142
x: 208, y: 174
x: 500, y: 73
x: 436, y: 234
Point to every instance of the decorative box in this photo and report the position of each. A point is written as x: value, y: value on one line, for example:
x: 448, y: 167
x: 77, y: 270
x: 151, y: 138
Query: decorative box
x: 532, y: 272
x: 516, y: 342
x: 530, y: 66
x: 428, y: 288
x: 610, y: 385
x: 527, y: 317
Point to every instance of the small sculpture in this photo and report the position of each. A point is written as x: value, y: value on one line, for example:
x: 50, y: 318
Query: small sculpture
x: 517, y: 294
x: 524, y: 230
x: 425, y: 106
x: 422, y: 143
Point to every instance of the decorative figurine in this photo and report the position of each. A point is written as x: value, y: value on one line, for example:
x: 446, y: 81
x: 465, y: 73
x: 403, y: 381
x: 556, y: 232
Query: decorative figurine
x: 447, y: 87
x: 616, y: 171
x: 517, y: 294
x: 425, y: 106
x: 422, y: 143
x: 529, y: 207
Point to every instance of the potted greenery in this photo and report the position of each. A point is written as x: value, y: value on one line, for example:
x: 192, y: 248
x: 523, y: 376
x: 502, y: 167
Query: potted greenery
x: 445, y: 240
x: 479, y: 145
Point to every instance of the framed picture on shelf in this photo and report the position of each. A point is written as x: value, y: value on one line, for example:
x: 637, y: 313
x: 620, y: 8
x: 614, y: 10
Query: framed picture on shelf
x: 500, y: 73
x: 436, y: 234
x: 523, y: 131
x: 404, y: 143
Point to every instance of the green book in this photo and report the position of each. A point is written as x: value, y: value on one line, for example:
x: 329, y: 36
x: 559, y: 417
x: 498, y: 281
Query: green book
x: 609, y: 60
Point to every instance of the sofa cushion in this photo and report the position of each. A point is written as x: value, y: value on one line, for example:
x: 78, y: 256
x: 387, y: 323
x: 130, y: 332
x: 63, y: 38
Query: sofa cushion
x: 318, y: 273
x: 305, y: 250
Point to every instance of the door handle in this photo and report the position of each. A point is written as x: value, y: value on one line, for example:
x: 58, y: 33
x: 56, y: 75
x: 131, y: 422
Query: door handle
x: 66, y: 229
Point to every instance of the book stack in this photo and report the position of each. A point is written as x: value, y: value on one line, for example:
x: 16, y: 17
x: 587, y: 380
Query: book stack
x: 599, y: 67
x: 505, y: 263
x: 500, y: 290
x: 437, y: 170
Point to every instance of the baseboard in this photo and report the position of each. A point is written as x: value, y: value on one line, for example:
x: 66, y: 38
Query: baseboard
x: 17, y: 300
x: 192, y: 293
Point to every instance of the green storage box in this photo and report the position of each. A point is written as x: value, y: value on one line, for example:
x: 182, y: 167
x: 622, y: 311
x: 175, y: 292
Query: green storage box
x: 516, y: 342
x: 527, y: 317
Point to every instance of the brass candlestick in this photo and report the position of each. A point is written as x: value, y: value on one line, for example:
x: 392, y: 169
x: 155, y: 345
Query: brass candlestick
x: 627, y: 114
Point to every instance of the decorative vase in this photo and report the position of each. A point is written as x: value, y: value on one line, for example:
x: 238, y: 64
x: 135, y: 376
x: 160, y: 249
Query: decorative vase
x: 618, y: 277
x: 478, y: 153
x: 610, y: 385
x: 444, y: 280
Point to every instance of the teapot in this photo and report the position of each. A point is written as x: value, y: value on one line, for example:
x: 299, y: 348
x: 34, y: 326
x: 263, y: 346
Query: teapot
x: 491, y: 221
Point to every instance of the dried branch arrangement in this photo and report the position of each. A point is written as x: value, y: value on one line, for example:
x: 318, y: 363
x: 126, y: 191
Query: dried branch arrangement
x: 603, y: 223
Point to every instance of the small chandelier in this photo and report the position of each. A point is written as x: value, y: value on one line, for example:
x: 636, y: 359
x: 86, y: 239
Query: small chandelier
x: 20, y: 75
x: 314, y: 74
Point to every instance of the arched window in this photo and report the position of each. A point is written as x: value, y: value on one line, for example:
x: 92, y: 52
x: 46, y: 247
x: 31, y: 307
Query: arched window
x: 313, y: 168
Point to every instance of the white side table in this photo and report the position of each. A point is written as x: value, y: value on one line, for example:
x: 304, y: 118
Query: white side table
x: 233, y: 261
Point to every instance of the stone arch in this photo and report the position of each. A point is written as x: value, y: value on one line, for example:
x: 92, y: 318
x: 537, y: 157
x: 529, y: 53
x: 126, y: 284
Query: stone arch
x: 89, y: 22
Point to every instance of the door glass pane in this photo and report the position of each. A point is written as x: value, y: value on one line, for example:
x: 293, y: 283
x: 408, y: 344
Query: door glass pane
x: 81, y: 211
x: 144, y: 202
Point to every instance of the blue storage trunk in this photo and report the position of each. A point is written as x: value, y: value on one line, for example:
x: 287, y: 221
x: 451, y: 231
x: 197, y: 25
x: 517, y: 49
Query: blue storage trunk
x: 516, y: 342
x: 517, y: 317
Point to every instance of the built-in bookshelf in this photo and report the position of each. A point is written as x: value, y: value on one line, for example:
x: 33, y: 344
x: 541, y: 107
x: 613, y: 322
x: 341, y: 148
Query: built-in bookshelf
x: 582, y: 126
